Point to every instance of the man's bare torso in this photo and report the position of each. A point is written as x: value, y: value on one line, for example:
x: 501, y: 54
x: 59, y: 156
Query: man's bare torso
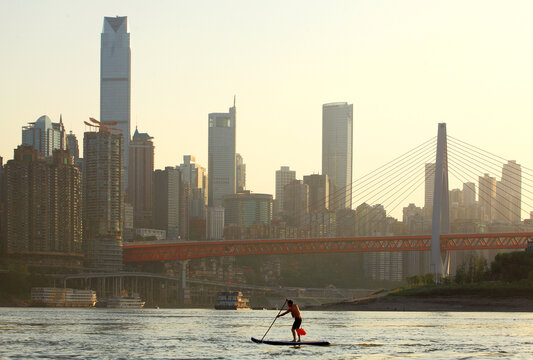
x: 295, y: 312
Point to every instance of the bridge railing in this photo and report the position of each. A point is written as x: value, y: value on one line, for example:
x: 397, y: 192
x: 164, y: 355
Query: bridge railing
x: 194, y: 250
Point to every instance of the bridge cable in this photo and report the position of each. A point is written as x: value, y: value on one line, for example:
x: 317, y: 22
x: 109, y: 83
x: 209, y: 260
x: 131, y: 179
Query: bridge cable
x: 500, y: 166
x: 486, y: 154
x: 373, y: 211
x: 427, y: 145
x: 392, y: 184
x: 485, y: 194
x: 504, y: 186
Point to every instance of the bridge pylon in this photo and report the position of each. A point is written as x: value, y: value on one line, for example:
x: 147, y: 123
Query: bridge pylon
x: 440, y: 263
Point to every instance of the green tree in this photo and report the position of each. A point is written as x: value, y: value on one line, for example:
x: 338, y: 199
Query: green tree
x: 429, y: 279
x: 512, y: 267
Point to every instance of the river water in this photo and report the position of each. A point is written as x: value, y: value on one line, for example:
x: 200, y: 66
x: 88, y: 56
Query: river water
x: 44, y: 333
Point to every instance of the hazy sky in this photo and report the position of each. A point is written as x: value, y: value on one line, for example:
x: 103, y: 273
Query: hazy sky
x: 405, y: 65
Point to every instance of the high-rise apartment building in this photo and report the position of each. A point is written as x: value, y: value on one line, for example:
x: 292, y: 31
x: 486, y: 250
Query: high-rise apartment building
x: 337, y: 150
x: 44, y: 135
x: 215, y: 223
x: 240, y: 169
x: 166, y: 206
x: 103, y: 199
x: 487, y: 197
x: 73, y: 146
x: 247, y: 209
x: 221, y: 153
x: 193, y: 196
x: 74, y: 149
x: 296, y: 202
x: 319, y: 196
x: 469, y: 194
x: 284, y: 176
x: 140, y: 178
x: 184, y: 207
x: 509, y: 193
x: 43, y: 205
x: 196, y: 176
x: 115, y: 80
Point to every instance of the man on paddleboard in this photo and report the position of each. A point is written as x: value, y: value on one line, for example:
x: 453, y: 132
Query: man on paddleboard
x: 295, y: 312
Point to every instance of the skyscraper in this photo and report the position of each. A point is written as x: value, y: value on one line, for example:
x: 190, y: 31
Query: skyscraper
x: 284, y: 176
x: 196, y: 176
x: 487, y: 197
x: 319, y: 197
x: 115, y: 80
x: 74, y: 149
x: 140, y: 178
x: 221, y: 153
x: 240, y: 173
x: 72, y: 146
x: 469, y: 193
x: 43, y: 203
x: 215, y: 223
x: 337, y: 150
x: 166, y: 208
x: 296, y: 202
x: 247, y: 209
x: 103, y: 199
x: 44, y: 135
x: 509, y: 193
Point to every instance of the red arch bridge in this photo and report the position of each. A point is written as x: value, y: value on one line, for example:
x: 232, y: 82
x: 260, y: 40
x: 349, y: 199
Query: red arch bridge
x: 163, y: 251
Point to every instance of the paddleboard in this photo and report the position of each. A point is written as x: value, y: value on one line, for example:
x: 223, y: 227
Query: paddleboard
x: 291, y: 343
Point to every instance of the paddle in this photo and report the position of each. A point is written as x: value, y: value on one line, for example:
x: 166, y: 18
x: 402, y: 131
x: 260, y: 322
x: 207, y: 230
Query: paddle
x: 274, y: 320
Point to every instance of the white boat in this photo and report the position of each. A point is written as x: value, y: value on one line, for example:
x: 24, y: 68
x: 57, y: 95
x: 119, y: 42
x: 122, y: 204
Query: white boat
x: 125, y: 302
x: 231, y: 300
x: 59, y: 297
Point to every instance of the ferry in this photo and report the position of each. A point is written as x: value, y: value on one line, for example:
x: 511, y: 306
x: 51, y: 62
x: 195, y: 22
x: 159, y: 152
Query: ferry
x: 231, y: 300
x: 58, y: 297
x: 125, y: 302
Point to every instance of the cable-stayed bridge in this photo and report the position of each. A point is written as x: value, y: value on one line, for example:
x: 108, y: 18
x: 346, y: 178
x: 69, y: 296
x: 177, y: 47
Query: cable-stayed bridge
x: 487, y: 219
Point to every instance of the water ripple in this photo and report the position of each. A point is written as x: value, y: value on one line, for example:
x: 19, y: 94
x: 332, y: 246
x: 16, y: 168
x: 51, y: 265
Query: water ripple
x: 209, y: 334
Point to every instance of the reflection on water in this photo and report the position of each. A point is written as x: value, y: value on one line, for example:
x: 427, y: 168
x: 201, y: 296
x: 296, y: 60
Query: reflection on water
x: 210, y: 334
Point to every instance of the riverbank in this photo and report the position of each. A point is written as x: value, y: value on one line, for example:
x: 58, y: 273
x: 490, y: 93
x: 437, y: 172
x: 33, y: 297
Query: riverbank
x: 7, y: 300
x: 479, y: 297
x: 403, y: 303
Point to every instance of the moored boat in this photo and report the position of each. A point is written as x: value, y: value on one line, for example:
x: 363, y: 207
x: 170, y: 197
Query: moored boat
x: 59, y: 297
x: 125, y: 302
x: 231, y: 300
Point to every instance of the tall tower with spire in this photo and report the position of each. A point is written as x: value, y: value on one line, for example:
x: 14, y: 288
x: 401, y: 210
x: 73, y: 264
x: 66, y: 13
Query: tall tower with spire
x: 115, y: 80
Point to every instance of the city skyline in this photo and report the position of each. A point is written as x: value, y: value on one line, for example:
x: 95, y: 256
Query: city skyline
x: 440, y: 53
x: 380, y: 170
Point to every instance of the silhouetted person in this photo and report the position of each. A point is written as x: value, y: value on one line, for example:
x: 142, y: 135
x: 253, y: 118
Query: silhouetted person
x: 295, y: 312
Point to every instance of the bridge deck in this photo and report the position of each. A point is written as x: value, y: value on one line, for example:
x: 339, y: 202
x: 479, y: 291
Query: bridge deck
x: 161, y: 251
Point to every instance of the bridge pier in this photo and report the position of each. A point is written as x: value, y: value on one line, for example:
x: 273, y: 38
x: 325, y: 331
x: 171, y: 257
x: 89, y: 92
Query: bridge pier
x: 183, y: 295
